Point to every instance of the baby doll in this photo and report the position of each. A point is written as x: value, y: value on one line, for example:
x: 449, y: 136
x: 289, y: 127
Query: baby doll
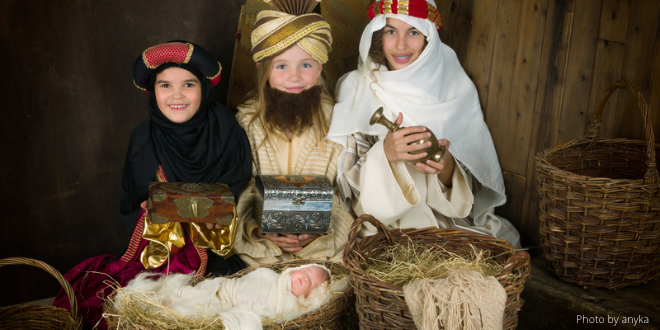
x: 262, y: 294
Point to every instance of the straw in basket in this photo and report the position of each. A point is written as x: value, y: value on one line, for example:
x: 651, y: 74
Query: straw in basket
x: 40, y: 317
x: 338, y: 313
x: 598, y: 206
x: 382, y: 306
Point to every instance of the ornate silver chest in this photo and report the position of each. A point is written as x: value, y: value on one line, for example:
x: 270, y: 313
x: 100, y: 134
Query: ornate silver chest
x: 293, y: 204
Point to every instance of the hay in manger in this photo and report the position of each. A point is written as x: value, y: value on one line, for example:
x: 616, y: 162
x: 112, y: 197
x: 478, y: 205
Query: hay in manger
x: 403, y: 263
x: 146, y: 311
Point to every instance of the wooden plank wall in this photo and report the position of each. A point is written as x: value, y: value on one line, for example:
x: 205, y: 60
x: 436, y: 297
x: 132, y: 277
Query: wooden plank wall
x: 540, y: 67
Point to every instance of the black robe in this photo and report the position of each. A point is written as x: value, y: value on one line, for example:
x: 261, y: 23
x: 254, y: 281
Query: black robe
x: 210, y: 147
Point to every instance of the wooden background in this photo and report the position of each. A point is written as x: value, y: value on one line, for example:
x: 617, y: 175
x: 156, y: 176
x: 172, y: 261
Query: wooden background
x: 541, y: 67
x: 70, y: 104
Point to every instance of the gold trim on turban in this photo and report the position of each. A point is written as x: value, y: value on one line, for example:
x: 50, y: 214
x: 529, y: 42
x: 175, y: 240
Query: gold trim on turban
x: 274, y: 31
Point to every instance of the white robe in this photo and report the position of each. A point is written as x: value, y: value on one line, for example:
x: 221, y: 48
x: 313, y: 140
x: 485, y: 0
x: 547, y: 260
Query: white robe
x: 401, y: 197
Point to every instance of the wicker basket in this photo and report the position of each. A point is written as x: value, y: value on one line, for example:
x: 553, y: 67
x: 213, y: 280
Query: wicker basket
x: 338, y: 313
x: 40, y: 317
x: 382, y: 306
x: 598, y: 206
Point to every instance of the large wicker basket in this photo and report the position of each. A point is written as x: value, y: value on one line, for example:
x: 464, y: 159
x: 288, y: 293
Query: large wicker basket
x: 338, y: 313
x: 599, y: 204
x: 40, y: 317
x: 382, y: 306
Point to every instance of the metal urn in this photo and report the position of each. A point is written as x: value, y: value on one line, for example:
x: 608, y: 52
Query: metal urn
x: 434, y: 152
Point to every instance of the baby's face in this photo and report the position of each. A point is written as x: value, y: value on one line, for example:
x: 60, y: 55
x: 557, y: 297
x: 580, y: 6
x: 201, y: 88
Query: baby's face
x: 305, y: 280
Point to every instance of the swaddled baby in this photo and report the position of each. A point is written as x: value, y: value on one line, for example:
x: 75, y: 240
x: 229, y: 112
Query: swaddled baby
x: 243, y: 302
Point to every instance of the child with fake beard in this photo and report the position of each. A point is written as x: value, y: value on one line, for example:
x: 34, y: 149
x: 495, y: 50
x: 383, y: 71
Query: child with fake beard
x: 287, y: 117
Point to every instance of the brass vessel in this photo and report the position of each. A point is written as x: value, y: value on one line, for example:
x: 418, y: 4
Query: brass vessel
x: 434, y: 152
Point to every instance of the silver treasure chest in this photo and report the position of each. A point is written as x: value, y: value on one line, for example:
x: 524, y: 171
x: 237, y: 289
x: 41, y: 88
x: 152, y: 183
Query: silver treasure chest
x: 293, y: 204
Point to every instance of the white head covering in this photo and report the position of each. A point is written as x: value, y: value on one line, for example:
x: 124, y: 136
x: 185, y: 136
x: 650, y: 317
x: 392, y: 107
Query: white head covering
x: 433, y: 91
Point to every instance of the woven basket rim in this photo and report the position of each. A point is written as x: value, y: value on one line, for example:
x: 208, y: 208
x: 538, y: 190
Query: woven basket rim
x: 60, y: 318
x: 400, y: 234
x: 592, y: 138
x: 542, y: 160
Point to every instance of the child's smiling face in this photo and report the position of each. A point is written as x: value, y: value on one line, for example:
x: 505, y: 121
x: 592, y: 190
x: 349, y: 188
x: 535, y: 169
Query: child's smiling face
x: 305, y: 280
x: 178, y: 94
x: 402, y: 43
x: 294, y: 71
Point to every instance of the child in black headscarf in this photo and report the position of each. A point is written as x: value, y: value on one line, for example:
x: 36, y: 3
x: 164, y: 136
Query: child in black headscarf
x: 187, y: 138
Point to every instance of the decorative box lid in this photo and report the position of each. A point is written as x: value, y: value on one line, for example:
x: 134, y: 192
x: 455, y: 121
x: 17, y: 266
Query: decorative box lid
x: 294, y: 203
x: 190, y: 202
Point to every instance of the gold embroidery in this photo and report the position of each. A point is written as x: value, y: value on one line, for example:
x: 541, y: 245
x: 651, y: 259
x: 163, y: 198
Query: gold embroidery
x: 153, y: 59
x: 136, y: 85
x: 217, y: 74
x: 191, y: 48
x: 403, y: 8
x: 288, y: 41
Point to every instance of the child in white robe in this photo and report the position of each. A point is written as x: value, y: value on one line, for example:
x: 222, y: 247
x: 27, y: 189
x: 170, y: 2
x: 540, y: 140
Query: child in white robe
x: 406, y: 69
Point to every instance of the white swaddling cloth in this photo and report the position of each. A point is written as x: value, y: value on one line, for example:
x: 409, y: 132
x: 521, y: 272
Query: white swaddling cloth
x: 242, y: 303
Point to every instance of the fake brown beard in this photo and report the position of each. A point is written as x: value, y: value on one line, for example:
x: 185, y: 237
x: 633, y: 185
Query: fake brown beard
x: 292, y: 112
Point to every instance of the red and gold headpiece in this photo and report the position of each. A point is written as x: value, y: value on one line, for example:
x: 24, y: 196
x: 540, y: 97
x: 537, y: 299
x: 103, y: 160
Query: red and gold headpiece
x: 416, y: 8
x: 179, y: 52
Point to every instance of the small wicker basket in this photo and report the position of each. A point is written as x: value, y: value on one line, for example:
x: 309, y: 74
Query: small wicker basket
x: 599, y: 205
x: 382, y: 306
x: 40, y: 317
x: 338, y: 313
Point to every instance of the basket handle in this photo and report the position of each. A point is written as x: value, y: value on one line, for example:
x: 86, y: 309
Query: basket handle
x: 651, y: 173
x: 355, y: 228
x: 52, y: 271
x: 512, y: 264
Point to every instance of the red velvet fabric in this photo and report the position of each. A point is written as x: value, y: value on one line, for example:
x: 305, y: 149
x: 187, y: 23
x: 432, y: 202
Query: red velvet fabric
x: 94, y: 279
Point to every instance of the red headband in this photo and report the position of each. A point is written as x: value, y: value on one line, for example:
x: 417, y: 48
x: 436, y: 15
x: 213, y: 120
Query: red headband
x: 415, y: 8
x: 180, y: 52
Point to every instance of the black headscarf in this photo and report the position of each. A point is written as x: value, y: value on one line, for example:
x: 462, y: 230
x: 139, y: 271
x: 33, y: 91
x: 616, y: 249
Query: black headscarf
x: 210, y: 147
